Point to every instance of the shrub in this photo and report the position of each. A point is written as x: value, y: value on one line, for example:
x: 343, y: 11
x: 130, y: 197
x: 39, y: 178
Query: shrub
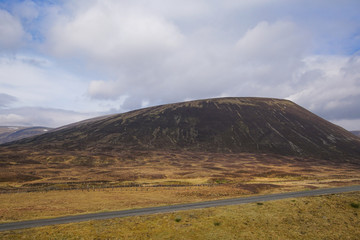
x: 178, y: 219
x: 355, y: 205
x: 259, y: 203
x: 217, y: 223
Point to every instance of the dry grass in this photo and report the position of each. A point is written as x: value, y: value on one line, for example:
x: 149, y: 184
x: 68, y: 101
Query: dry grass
x: 20, y: 206
x: 26, y: 171
x: 324, y: 217
x: 33, y: 205
x: 36, y: 205
x: 234, y: 175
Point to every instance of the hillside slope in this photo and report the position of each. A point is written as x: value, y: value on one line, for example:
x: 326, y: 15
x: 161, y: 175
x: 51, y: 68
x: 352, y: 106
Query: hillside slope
x: 228, y: 125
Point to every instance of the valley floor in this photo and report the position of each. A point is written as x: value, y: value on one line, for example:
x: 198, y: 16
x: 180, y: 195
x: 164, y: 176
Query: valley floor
x: 35, y: 186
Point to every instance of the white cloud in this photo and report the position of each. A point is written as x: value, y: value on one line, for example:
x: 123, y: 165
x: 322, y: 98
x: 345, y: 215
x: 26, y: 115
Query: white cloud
x: 99, y: 89
x: 209, y: 69
x: 277, y: 41
x: 35, y: 116
x: 36, y: 81
x: 11, y: 31
x: 12, y: 119
x: 349, y: 124
x: 112, y: 31
x: 127, y: 54
x: 26, y: 9
x: 333, y: 90
x: 6, y: 99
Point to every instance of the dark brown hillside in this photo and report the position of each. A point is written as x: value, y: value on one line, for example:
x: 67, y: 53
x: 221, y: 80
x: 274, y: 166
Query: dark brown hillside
x: 227, y: 125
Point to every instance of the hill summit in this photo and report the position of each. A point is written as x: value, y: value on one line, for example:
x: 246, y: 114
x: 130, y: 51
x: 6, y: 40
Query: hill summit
x: 230, y: 125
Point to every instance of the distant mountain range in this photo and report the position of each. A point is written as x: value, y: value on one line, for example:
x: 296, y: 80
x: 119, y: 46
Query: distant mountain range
x: 357, y: 133
x: 227, y: 125
x: 8, y: 134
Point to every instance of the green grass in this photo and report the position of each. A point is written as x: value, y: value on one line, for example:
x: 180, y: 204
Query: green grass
x: 355, y: 205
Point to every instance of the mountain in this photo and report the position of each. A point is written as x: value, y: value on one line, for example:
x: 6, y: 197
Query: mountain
x: 223, y: 125
x: 8, y: 134
x: 357, y: 133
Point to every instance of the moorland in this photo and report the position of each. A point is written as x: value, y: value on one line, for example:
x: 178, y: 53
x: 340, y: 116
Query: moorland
x: 184, y: 152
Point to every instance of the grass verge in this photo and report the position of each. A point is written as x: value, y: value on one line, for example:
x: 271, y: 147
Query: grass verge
x: 322, y: 217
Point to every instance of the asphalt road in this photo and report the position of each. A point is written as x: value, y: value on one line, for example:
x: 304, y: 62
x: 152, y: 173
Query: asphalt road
x: 173, y: 208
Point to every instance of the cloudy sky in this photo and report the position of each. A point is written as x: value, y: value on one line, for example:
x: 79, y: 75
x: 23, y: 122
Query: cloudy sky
x: 63, y: 61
